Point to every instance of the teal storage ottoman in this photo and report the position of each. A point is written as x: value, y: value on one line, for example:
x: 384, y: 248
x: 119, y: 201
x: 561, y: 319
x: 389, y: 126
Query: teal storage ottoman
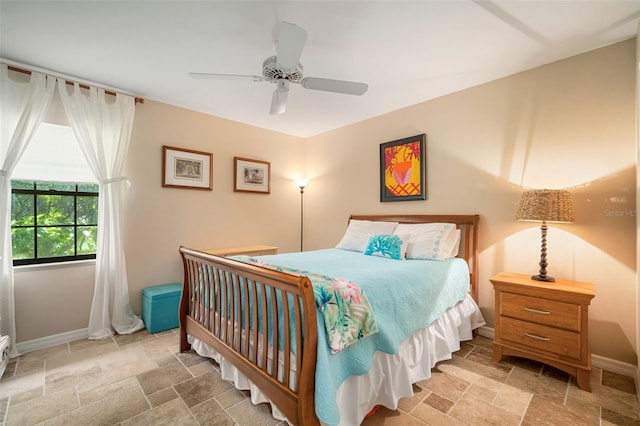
x: 160, y: 306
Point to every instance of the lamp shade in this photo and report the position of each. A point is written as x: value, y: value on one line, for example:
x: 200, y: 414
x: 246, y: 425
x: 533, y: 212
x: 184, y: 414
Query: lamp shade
x: 549, y: 205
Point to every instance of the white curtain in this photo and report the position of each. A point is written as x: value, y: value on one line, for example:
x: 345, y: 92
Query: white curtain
x: 23, y: 105
x: 103, y: 129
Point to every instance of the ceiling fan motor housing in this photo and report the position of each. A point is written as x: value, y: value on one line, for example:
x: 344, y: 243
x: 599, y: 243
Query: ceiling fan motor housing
x: 273, y: 72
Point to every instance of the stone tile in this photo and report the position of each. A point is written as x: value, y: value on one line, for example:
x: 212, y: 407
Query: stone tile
x: 430, y: 416
x: 160, y: 341
x: 4, y: 403
x: 511, y: 399
x: 524, y: 363
x: 93, y: 346
x: 40, y: 409
x: 202, y: 388
x: 488, y: 361
x: 162, y: 396
x: 41, y: 354
x: 445, y: 385
x: 230, y: 398
x: 163, y: 377
x: 245, y: 413
x: 210, y: 412
x: 580, y: 405
x: 202, y: 368
x: 64, y: 370
x: 465, y: 349
x: 385, y: 416
x: 439, y: 403
x: 553, y: 372
x: 162, y: 357
x: 609, y: 398
x: 131, y: 361
x: 410, y: 402
x: 481, y: 392
x: 482, y: 342
x: 545, y: 386
x: 473, y: 411
x: 25, y: 396
x: 191, y: 358
x: 29, y: 367
x: 94, y: 383
x: 618, y: 419
x: 173, y: 412
x: 542, y: 411
x: 127, y: 339
x: 109, y: 390
x: 495, y: 372
x: 22, y: 383
x: 122, y: 402
x: 619, y: 382
x: 10, y: 369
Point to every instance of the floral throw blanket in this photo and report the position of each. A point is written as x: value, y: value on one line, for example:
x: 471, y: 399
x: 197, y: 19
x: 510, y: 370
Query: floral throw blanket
x: 346, y: 311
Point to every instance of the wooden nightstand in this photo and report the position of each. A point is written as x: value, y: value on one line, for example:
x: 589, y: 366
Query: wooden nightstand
x: 546, y: 322
x: 248, y: 251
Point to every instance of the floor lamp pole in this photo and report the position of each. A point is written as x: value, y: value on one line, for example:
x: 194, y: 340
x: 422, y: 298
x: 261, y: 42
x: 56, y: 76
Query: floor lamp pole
x: 301, y: 216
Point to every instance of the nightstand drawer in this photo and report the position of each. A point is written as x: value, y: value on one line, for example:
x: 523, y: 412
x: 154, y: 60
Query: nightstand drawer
x: 541, y: 311
x: 557, y: 341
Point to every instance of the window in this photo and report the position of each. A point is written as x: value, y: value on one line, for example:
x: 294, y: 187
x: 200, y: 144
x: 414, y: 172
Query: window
x: 53, y: 221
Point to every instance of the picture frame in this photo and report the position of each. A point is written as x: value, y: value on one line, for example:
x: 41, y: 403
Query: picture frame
x: 186, y: 168
x: 403, y: 169
x: 251, y: 175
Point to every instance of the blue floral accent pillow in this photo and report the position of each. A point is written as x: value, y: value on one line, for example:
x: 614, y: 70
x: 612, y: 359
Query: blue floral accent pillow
x: 387, y: 245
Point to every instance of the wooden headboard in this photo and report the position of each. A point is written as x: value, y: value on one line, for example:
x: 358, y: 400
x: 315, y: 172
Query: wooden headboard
x: 468, y: 225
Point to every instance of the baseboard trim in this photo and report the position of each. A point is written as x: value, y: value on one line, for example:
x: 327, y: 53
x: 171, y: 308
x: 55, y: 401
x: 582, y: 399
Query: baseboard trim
x: 596, y: 360
x: 49, y: 341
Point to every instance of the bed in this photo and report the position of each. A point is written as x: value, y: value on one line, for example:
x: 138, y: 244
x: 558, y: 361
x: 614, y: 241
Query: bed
x: 252, y: 315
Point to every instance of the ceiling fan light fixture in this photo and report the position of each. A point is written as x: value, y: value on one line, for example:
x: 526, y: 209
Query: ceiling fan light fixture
x: 279, y: 98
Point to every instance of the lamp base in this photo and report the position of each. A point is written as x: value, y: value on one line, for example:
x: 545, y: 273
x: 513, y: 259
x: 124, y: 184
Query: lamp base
x: 543, y: 278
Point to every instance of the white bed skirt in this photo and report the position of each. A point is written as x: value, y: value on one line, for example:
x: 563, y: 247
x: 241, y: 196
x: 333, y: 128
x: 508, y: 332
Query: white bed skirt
x: 391, y: 376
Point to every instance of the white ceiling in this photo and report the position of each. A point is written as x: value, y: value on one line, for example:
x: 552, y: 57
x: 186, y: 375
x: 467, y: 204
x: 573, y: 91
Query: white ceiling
x: 408, y: 52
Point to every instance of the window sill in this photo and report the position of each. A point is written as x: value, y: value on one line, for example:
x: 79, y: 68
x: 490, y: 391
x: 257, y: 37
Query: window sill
x: 56, y: 265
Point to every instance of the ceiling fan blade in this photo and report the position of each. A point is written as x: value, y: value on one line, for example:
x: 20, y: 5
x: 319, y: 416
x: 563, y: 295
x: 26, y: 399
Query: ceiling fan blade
x: 279, y: 98
x: 338, y: 86
x: 206, y: 75
x: 291, y: 40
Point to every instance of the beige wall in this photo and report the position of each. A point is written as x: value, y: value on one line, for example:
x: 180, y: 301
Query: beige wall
x: 567, y: 124
x: 570, y: 124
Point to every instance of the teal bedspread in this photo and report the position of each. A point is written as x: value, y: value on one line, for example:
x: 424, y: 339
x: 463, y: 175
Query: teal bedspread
x: 405, y: 295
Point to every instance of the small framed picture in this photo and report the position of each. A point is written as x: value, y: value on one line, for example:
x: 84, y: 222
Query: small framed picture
x: 403, y: 169
x: 186, y: 168
x: 251, y: 175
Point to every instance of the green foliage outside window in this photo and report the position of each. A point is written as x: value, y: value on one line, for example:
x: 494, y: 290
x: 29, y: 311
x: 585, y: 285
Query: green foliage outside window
x: 53, y: 221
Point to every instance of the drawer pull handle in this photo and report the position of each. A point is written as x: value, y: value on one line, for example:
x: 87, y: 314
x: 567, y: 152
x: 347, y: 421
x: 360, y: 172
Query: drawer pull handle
x: 533, y: 336
x: 537, y: 311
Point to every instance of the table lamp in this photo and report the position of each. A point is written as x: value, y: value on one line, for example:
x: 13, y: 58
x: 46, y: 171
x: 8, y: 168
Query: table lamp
x: 546, y: 205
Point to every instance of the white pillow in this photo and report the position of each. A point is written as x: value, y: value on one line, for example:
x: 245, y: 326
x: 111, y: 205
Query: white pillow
x: 357, y: 234
x: 436, y: 241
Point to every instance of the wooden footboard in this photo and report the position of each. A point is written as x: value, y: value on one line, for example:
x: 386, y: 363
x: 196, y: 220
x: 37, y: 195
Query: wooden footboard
x: 257, y: 319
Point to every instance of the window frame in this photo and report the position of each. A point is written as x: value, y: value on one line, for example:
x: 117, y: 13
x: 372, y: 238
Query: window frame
x: 34, y: 191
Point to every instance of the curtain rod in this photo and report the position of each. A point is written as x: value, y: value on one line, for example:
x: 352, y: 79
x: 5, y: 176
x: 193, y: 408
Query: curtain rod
x: 69, y: 82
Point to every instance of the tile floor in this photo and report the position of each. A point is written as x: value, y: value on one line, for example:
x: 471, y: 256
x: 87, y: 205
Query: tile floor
x: 141, y: 379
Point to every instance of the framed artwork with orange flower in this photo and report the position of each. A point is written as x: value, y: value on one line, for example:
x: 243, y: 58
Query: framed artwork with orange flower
x: 403, y: 169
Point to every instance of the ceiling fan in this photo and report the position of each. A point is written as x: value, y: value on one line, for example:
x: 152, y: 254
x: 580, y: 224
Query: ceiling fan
x: 284, y: 69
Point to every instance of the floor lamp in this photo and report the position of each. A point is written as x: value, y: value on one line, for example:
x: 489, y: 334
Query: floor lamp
x: 302, y: 183
x: 547, y: 206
